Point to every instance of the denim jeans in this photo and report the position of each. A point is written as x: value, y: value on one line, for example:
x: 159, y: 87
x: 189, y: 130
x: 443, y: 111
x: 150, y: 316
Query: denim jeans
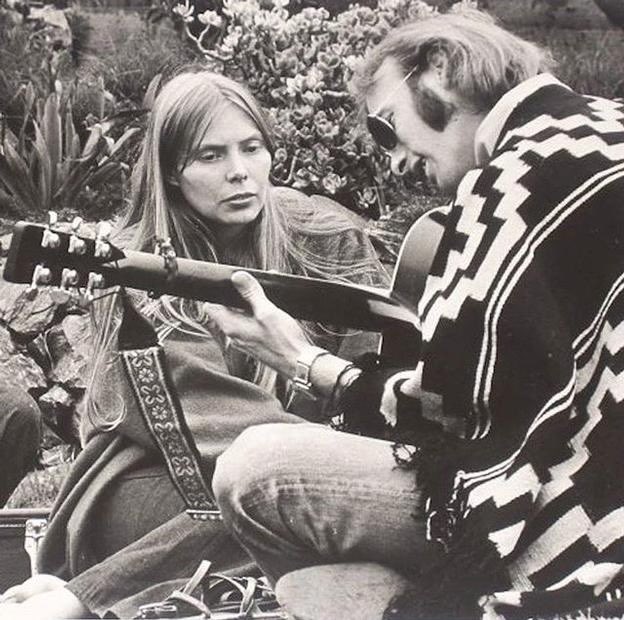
x: 305, y: 495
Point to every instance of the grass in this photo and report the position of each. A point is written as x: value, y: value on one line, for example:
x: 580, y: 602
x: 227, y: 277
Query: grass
x: 589, y: 61
x: 39, y: 488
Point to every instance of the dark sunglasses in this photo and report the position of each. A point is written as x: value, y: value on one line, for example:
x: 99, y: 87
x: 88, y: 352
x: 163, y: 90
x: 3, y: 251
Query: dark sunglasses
x: 381, y: 129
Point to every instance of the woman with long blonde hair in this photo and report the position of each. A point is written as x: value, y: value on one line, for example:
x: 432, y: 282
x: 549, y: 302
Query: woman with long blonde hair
x: 165, y: 398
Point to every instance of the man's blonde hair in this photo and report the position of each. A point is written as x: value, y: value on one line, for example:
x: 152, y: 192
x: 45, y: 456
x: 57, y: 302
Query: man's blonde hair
x: 481, y: 60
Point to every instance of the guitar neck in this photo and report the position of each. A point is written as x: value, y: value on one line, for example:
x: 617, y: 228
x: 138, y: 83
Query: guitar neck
x: 312, y: 299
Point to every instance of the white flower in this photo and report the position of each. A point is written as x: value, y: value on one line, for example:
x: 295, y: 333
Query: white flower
x: 314, y: 79
x: 281, y: 4
x: 295, y: 85
x: 210, y: 18
x: 185, y: 11
x: 230, y: 42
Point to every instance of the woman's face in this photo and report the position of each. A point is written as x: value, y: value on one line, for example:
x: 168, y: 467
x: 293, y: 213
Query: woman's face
x: 228, y: 177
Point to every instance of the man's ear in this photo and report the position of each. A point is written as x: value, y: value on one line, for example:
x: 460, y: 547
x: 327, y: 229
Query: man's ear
x: 438, y: 64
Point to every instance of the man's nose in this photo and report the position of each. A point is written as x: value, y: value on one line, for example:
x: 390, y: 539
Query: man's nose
x: 398, y: 161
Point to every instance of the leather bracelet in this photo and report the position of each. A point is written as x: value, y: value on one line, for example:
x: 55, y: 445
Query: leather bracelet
x: 341, y: 385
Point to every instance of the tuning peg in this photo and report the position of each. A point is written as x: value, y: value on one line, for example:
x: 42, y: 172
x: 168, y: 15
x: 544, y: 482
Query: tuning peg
x: 65, y: 290
x: 41, y: 275
x: 102, y: 246
x: 76, y: 244
x: 69, y: 278
x: 95, y: 281
x: 51, y: 239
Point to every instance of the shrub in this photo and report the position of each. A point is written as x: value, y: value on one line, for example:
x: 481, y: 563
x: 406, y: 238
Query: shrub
x: 46, y: 166
x: 26, y: 57
x: 298, y: 65
x: 130, y: 53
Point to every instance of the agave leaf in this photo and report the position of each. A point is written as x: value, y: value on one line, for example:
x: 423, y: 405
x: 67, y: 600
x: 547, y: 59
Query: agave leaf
x: 29, y: 101
x: 79, y: 173
x: 44, y: 168
x: 101, y: 97
x: 93, y: 142
x: 15, y: 174
x: 5, y: 196
x: 69, y: 133
x: 69, y: 167
x: 75, y: 148
x: 104, y: 173
x: 51, y: 129
x: 8, y: 137
x: 121, y: 143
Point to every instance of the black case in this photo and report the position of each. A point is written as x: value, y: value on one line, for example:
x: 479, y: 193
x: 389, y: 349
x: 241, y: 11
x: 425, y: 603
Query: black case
x: 15, y: 563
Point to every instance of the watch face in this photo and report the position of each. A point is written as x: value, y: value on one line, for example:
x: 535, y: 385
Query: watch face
x: 302, y: 372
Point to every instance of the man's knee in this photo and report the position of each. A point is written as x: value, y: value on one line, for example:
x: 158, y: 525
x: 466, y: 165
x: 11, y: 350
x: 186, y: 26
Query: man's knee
x: 258, y: 459
x: 240, y: 466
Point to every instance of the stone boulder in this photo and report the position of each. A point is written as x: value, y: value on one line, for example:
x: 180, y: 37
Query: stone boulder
x: 44, y: 348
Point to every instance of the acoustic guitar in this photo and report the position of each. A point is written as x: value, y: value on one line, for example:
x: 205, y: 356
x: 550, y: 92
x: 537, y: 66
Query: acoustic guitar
x: 41, y: 255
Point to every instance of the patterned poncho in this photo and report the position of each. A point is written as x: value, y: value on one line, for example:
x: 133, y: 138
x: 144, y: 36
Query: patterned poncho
x: 523, y: 350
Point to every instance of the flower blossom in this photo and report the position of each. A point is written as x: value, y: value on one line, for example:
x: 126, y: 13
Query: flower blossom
x: 185, y: 11
x: 210, y: 18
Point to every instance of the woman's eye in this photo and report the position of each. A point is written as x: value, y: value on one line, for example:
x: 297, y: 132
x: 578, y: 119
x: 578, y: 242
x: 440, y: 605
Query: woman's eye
x: 253, y: 147
x: 208, y: 156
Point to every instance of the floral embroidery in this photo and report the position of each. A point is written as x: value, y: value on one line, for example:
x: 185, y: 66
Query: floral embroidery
x: 164, y: 419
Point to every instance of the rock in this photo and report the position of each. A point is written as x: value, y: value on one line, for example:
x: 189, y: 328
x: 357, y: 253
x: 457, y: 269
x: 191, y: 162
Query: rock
x: 18, y: 369
x: 26, y: 313
x: 57, y: 406
x: 67, y: 344
x: 55, y: 398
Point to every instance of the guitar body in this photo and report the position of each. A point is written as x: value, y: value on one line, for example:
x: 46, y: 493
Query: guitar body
x: 20, y: 529
x: 418, y: 249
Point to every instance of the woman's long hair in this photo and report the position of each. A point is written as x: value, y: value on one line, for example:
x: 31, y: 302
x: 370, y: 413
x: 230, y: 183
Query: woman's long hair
x: 184, y: 110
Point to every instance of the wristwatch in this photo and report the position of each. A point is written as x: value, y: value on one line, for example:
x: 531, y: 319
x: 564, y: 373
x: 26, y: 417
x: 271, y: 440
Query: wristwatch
x: 301, y: 381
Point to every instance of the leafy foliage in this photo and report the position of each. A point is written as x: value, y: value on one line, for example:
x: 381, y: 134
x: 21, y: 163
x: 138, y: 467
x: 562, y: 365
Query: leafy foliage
x: 46, y: 165
x: 26, y: 56
x: 298, y: 65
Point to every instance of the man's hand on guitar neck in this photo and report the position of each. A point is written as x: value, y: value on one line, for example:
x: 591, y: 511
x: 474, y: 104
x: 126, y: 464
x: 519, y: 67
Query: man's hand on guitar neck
x: 265, y: 332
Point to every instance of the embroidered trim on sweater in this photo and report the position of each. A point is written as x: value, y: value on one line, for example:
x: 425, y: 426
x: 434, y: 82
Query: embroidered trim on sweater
x: 163, y: 417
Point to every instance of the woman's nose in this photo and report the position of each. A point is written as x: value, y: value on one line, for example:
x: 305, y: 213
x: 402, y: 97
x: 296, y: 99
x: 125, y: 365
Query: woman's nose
x: 237, y: 171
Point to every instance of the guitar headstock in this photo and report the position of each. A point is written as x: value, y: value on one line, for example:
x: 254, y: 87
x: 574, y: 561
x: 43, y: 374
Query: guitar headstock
x: 47, y: 255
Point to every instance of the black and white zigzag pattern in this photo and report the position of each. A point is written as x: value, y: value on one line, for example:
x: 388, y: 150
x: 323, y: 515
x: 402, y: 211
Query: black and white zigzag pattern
x: 523, y: 340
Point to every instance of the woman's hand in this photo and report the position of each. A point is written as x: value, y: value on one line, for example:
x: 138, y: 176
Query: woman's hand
x: 266, y: 332
x: 57, y: 604
x: 29, y: 588
x: 43, y: 597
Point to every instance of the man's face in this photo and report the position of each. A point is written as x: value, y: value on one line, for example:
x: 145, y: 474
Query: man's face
x: 445, y: 155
